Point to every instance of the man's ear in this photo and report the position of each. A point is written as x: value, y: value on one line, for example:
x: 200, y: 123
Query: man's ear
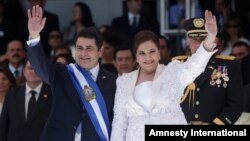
x: 100, y: 52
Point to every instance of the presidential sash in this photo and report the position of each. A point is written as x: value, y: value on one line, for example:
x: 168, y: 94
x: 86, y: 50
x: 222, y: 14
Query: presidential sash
x: 92, y: 99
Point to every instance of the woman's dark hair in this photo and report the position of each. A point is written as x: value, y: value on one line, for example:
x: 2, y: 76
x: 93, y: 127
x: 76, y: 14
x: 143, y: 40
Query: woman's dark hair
x: 86, y: 14
x: 9, y: 75
x: 68, y: 57
x: 144, y: 36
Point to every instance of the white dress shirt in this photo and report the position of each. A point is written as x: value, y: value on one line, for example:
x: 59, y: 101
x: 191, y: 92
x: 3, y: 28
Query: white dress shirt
x: 13, y: 69
x: 131, y: 18
x: 28, y: 95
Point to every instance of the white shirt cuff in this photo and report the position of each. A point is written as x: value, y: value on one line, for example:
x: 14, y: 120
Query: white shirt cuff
x: 33, y: 42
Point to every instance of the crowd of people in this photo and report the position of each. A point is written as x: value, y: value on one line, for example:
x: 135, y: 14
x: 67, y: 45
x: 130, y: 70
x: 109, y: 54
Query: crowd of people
x: 89, y: 83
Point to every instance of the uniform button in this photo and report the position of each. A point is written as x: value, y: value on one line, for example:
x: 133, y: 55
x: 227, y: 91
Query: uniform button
x: 198, y: 89
x: 197, y: 102
x: 196, y: 116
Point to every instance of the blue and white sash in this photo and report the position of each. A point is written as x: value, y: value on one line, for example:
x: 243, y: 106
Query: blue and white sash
x: 95, y: 107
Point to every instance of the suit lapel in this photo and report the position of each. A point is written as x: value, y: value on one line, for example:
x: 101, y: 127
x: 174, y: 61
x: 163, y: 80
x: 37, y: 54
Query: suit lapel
x: 20, y: 100
x: 100, y: 81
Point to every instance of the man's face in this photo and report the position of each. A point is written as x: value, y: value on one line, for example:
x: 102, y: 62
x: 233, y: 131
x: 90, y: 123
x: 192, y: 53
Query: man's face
x: 30, y: 74
x: 194, y: 43
x: 240, y: 52
x: 164, y: 52
x: 134, y: 6
x: 15, y: 52
x: 87, y: 53
x: 55, y: 39
x: 108, y: 52
x: 124, y: 61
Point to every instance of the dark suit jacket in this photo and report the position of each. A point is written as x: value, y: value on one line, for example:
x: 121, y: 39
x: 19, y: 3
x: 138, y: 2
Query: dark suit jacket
x: 122, y: 26
x: 216, y: 99
x: 68, y: 110
x: 13, y: 124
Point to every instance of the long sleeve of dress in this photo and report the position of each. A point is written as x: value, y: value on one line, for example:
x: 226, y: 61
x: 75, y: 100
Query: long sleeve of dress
x: 186, y: 72
x: 120, y: 121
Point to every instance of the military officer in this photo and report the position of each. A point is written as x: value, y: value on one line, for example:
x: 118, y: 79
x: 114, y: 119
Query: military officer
x: 216, y: 96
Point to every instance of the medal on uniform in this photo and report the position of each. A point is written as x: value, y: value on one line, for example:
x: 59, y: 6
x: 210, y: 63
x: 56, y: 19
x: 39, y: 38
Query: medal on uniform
x: 218, y: 81
x: 212, y: 82
x: 219, y: 77
x: 225, y: 84
x: 89, y: 93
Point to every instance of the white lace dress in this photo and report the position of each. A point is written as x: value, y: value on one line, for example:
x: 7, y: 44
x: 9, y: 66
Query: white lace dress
x: 130, y: 116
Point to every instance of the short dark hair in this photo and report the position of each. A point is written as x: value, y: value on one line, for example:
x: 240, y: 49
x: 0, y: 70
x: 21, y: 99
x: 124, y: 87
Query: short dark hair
x: 241, y: 43
x: 91, y: 33
x: 9, y: 75
x: 144, y: 36
x: 165, y: 39
x: 122, y: 49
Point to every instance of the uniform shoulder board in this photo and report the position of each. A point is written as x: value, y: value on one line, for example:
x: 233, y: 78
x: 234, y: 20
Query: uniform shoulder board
x: 180, y: 58
x: 225, y: 57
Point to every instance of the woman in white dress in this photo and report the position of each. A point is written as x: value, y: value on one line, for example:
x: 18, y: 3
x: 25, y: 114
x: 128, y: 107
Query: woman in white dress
x: 151, y: 94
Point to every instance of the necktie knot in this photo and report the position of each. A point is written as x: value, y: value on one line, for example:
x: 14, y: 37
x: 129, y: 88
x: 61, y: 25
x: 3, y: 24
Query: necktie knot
x: 16, y: 73
x: 33, y: 93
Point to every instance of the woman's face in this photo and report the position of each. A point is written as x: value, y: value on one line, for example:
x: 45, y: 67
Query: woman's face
x: 77, y: 14
x: 148, y: 56
x: 4, y: 83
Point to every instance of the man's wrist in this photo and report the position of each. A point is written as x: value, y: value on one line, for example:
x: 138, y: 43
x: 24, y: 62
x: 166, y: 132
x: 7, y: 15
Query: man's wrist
x: 33, y: 36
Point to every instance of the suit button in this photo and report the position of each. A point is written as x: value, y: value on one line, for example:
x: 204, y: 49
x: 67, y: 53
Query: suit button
x: 198, y: 89
x: 197, y: 102
x: 196, y: 116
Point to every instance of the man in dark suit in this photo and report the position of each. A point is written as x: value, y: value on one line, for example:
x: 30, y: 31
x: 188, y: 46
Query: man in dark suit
x: 72, y: 117
x: 26, y: 109
x: 134, y: 21
x: 216, y: 96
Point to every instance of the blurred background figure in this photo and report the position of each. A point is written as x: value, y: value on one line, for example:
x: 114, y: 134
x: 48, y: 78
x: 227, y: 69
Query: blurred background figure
x: 111, y: 41
x: 7, y: 81
x: 124, y: 60
x: 64, y: 59
x: 81, y: 17
x: 165, y: 50
x: 9, y: 22
x: 55, y: 41
x: 240, y: 50
x: 134, y: 21
x: 222, y: 13
x: 177, y: 14
x: 26, y: 109
x: 14, y: 58
x: 232, y: 34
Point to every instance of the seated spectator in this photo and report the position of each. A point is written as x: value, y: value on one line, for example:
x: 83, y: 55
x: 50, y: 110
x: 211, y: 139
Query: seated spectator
x: 240, y: 50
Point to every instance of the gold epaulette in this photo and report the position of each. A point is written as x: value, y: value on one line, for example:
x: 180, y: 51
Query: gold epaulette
x: 225, y: 57
x: 180, y: 58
